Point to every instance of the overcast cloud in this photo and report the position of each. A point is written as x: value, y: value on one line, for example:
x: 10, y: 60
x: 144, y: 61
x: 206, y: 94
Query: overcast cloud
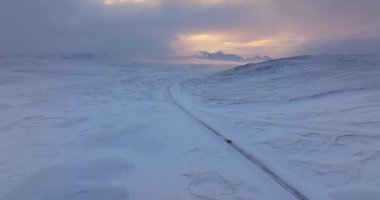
x: 175, y: 27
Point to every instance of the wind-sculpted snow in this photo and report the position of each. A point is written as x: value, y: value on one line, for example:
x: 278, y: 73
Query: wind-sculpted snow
x: 64, y: 119
x: 317, y: 86
x: 85, y: 127
x: 314, y: 118
x: 75, y: 181
x: 211, y: 185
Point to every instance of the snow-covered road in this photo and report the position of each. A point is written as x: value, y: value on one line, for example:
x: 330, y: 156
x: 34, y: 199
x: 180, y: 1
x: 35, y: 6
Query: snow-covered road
x: 244, y: 154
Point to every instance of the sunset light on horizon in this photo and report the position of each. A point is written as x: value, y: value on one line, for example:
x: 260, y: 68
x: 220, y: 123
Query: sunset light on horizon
x: 179, y: 27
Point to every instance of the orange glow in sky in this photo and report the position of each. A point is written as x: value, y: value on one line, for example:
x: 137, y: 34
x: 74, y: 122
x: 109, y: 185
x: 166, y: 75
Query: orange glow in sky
x: 143, y: 2
x: 227, y: 42
x: 254, y: 43
x: 157, y: 2
x: 203, y: 41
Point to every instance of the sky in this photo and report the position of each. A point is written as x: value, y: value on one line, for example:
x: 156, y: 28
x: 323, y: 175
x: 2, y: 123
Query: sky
x: 181, y: 27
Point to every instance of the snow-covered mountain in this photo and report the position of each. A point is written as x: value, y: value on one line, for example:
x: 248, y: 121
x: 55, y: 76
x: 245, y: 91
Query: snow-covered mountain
x: 220, y: 55
x: 314, y: 118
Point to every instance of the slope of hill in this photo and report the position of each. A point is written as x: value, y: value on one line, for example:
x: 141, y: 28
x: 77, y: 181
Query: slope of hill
x: 314, y: 118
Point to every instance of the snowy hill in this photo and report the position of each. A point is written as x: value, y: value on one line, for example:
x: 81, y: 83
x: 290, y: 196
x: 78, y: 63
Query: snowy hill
x: 315, y: 116
x: 322, y: 85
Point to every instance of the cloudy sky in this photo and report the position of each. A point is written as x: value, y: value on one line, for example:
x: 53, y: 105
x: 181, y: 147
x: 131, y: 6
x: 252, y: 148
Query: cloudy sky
x: 180, y: 27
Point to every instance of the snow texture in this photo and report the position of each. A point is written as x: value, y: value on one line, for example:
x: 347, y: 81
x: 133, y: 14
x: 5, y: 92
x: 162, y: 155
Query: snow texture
x: 314, y: 119
x: 90, y: 127
x: 95, y: 127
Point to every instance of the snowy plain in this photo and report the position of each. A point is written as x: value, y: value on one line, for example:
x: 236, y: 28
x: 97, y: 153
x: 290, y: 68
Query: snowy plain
x: 85, y: 127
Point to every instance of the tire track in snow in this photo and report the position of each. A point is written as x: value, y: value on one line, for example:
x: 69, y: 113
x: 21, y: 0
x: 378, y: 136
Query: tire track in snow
x: 249, y: 157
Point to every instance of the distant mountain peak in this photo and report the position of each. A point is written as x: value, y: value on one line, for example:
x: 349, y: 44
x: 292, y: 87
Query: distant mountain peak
x: 220, y: 55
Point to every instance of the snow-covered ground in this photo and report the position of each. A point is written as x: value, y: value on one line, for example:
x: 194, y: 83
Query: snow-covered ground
x: 315, y: 120
x: 85, y: 127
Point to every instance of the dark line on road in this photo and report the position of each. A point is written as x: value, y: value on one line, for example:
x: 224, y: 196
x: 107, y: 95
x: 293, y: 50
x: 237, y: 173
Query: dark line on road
x: 252, y: 159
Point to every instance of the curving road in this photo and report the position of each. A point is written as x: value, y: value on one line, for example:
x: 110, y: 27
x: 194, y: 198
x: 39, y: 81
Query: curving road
x: 228, y: 141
